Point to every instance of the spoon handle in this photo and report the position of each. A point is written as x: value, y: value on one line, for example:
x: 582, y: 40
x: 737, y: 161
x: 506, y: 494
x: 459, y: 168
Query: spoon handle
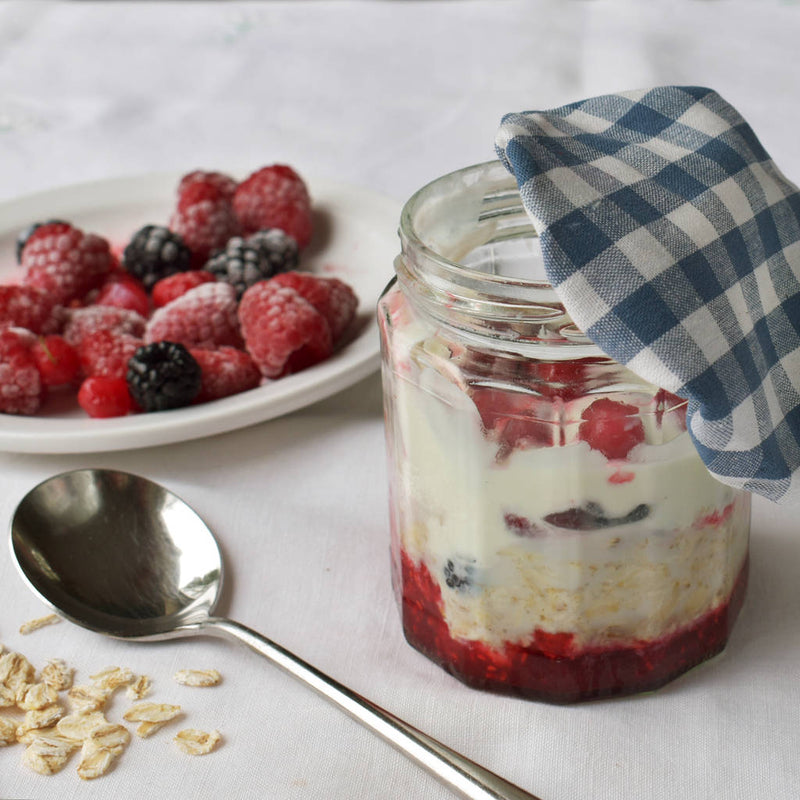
x: 466, y: 777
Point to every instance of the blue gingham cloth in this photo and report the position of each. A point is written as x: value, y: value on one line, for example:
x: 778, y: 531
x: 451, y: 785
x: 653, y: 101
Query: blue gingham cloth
x: 673, y: 241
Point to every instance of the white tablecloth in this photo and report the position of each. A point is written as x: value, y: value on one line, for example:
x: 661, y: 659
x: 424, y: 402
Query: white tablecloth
x: 385, y: 95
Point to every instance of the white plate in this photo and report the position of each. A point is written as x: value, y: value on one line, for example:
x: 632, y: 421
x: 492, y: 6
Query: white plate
x: 354, y: 239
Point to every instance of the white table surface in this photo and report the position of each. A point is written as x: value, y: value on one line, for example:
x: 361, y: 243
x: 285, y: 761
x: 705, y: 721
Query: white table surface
x: 385, y: 95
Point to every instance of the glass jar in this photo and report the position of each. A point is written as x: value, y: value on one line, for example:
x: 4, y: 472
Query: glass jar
x: 554, y: 532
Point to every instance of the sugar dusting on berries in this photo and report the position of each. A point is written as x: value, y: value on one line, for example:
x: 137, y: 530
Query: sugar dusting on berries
x: 333, y: 298
x: 282, y: 331
x: 82, y: 322
x: 161, y: 321
x: 202, y: 317
x: 21, y: 388
x: 275, y: 197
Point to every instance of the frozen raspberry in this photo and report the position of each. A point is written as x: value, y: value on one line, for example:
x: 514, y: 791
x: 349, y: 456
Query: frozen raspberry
x: 56, y: 361
x: 21, y: 389
x: 27, y: 233
x: 275, y: 197
x: 333, y: 298
x: 102, y: 397
x: 163, y: 375
x: 244, y: 262
x: 205, y: 219
x: 202, y: 317
x: 26, y: 307
x: 612, y: 427
x: 225, y: 371
x: 65, y: 262
x: 283, y: 332
x: 106, y: 353
x: 224, y: 184
x: 513, y: 420
x: 167, y: 289
x: 154, y: 252
x: 124, y: 291
x: 83, y: 321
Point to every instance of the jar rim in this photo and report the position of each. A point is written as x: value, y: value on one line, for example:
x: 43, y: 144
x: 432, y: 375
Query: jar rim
x: 474, y: 209
x: 501, y: 185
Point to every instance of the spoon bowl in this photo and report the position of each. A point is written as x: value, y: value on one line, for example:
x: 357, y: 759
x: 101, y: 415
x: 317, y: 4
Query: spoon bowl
x: 118, y: 554
x: 121, y: 555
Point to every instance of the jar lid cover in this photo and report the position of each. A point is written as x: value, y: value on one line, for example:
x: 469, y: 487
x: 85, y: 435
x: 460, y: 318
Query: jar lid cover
x: 673, y: 241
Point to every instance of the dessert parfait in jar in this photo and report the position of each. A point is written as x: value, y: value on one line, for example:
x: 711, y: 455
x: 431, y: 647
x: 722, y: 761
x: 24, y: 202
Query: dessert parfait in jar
x: 554, y: 533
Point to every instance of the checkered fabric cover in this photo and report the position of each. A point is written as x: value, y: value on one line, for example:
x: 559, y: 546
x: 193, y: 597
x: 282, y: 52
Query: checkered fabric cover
x: 673, y: 241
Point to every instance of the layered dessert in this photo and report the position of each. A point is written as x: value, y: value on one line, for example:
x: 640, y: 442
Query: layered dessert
x: 554, y: 533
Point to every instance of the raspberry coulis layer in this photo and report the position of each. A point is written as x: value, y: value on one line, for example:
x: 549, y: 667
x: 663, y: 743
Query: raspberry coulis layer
x: 551, y: 668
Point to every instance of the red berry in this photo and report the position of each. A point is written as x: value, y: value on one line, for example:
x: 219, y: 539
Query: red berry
x: 554, y: 645
x: 224, y: 184
x: 26, y: 307
x: 57, y: 361
x: 105, y: 397
x: 167, y: 289
x: 225, y: 371
x: 612, y: 427
x: 65, y: 263
x: 333, y: 298
x: 514, y: 419
x: 124, y: 291
x: 275, y: 197
x: 55, y: 228
x: 202, y: 317
x: 106, y: 353
x: 84, y: 321
x: 564, y: 379
x: 21, y: 389
x: 205, y: 220
x: 282, y: 332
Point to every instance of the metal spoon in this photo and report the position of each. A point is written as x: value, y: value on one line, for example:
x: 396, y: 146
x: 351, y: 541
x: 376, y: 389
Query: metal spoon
x: 123, y: 556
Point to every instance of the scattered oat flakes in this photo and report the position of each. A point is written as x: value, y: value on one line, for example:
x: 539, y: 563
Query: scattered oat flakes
x: 40, y: 622
x: 139, y: 688
x: 87, y: 698
x: 196, y: 742
x: 8, y: 731
x: 112, y: 678
x: 198, y: 677
x: 15, y: 671
x: 110, y: 736
x: 101, y: 748
x: 152, y: 716
x: 40, y: 718
x: 151, y: 712
x: 95, y: 761
x: 8, y: 697
x: 78, y: 727
x: 25, y: 736
x: 36, y: 696
x: 47, y: 753
x: 57, y: 674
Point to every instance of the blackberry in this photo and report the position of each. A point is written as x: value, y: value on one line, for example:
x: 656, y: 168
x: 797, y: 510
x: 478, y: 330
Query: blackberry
x: 592, y: 516
x: 459, y: 573
x: 244, y: 262
x: 155, y: 252
x: 26, y: 233
x: 163, y: 375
